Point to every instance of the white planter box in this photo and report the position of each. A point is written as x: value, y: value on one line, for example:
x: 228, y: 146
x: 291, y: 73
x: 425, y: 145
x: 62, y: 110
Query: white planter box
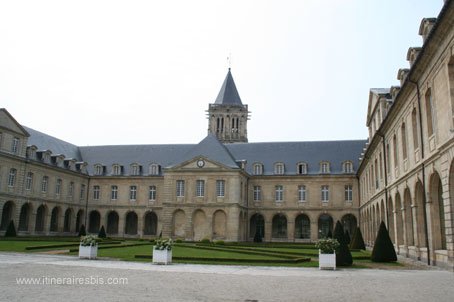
x: 326, y: 260
x: 162, y: 257
x: 90, y: 251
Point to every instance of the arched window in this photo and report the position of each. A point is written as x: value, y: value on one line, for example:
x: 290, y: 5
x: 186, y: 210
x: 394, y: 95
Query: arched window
x: 154, y: 169
x: 279, y: 168
x: 135, y: 169
x: 429, y: 113
x: 414, y: 128
x: 257, y: 169
x: 403, y: 132
x: 116, y: 169
x: 98, y: 169
x: 396, y: 159
x: 348, y: 167
x: 301, y: 168
x: 324, y: 167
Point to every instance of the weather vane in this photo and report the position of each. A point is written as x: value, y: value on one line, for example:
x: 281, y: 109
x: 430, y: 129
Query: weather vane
x: 229, y: 60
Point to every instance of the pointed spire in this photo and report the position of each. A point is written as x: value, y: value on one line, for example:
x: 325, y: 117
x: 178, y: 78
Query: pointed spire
x: 228, y: 95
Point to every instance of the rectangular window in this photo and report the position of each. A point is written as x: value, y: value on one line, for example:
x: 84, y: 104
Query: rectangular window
x: 279, y: 193
x: 15, y: 145
x: 71, y: 189
x: 44, y: 184
x: 132, y: 192
x: 348, y: 193
x: 325, y: 193
x: 200, y: 188
x: 220, y: 188
x: 152, y: 193
x: 82, y: 192
x: 114, y: 192
x: 29, y: 181
x: 301, y: 193
x: 12, y: 177
x: 58, y: 187
x: 96, y: 192
x: 257, y: 193
x: 180, y: 188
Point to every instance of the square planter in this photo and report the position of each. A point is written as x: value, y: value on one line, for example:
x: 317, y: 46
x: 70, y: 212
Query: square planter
x: 326, y: 260
x: 162, y: 256
x: 90, y: 251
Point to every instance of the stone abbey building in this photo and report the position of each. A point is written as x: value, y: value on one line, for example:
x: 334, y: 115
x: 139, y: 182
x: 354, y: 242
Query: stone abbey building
x: 227, y: 188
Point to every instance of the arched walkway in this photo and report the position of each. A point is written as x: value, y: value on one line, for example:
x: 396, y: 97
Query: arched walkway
x: 408, y: 215
x: 112, y: 223
x: 24, y: 217
x: 179, y: 224
x: 200, y: 226
x: 40, y: 218
x: 437, y: 213
x: 7, y: 214
x: 325, y: 225
x: 54, y: 219
x: 94, y: 222
x: 419, y: 214
x: 302, y: 227
x: 68, y: 220
x: 391, y: 230
x: 79, y: 219
x: 131, y: 223
x: 150, y: 226
x: 257, y: 224
x: 399, y: 220
x: 279, y: 226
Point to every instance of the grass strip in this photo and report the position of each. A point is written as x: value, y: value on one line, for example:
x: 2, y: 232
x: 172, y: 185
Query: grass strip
x: 295, y: 260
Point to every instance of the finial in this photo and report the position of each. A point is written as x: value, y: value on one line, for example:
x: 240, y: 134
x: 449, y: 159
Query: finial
x: 229, y: 60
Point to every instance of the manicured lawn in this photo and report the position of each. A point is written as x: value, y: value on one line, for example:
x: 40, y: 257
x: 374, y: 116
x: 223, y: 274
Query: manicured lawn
x: 19, y: 246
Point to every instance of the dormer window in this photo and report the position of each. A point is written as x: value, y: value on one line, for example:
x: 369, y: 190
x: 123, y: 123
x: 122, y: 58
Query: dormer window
x: 301, y: 168
x: 31, y: 152
x: 154, y: 169
x: 135, y: 169
x: 279, y: 168
x: 116, y: 170
x: 324, y: 167
x: 99, y: 169
x: 348, y: 167
x: 257, y: 169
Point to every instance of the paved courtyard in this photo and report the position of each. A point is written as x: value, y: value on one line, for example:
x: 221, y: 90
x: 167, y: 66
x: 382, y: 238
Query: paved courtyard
x: 66, y: 278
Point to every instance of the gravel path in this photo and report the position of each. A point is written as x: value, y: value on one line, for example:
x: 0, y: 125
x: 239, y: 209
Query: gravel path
x: 66, y: 278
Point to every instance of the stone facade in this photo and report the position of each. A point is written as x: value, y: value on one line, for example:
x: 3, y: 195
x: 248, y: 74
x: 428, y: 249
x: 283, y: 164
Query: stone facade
x: 224, y: 188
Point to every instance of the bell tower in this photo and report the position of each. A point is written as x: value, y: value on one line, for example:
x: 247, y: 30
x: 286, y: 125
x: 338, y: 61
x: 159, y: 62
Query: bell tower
x: 227, y: 117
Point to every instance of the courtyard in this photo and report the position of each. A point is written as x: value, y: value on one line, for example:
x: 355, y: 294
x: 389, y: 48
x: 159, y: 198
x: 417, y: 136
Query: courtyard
x: 58, y: 277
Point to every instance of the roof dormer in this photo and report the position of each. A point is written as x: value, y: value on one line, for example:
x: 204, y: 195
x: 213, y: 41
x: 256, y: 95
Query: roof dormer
x: 412, y: 54
x: 58, y: 160
x: 426, y: 27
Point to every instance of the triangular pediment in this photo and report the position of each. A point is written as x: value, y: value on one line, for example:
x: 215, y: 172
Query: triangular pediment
x: 8, y: 122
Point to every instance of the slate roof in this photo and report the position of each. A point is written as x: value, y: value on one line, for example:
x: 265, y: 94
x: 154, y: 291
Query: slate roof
x: 289, y: 153
x: 46, y: 142
x: 228, y: 95
x: 292, y: 153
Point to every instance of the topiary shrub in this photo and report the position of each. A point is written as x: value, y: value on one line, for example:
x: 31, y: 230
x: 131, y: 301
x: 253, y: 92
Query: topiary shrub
x: 258, y: 237
x: 11, y: 230
x: 205, y: 240
x: 347, y: 237
x: 343, y: 255
x: 383, y: 247
x: 102, y: 233
x: 219, y: 242
x: 82, y: 231
x: 357, y: 242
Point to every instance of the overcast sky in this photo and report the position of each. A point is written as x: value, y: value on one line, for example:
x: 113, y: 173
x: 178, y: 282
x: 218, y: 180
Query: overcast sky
x: 144, y: 72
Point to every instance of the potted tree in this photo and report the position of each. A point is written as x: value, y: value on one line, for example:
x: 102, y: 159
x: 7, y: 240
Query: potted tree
x: 162, y: 251
x: 88, y: 247
x: 327, y: 253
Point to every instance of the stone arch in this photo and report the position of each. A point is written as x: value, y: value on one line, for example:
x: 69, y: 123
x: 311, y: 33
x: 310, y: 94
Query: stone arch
x: 179, y: 224
x: 7, y: 214
x: 131, y: 223
x: 68, y: 220
x: 302, y: 227
x: 279, y: 226
x: 350, y: 223
x: 419, y: 215
x: 200, y: 225
x: 325, y: 225
x: 24, y: 217
x: 220, y: 224
x: 257, y: 224
x: 399, y: 220
x: 94, y: 222
x: 79, y: 219
x: 437, y: 213
x: 112, y: 223
x: 41, y: 213
x: 150, y: 223
x: 55, y: 219
x: 391, y: 230
x: 408, y: 218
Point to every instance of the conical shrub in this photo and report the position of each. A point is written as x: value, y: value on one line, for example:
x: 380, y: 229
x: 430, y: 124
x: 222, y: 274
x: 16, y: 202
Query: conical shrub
x: 347, y: 237
x: 357, y: 242
x: 383, y: 247
x: 343, y: 255
x: 11, y: 230
x: 257, y: 236
x: 82, y: 231
x: 102, y: 233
